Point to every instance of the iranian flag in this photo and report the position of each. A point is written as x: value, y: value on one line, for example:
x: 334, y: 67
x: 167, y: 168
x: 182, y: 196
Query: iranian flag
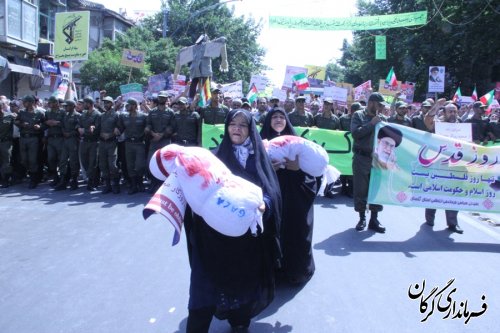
x: 457, y: 96
x: 474, y: 94
x: 488, y: 98
x: 300, y: 81
x: 391, y: 78
x: 252, y: 94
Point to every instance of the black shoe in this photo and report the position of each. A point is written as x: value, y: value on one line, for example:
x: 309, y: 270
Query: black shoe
x: 33, y: 184
x: 361, y: 225
x: 60, y: 187
x: 376, y: 226
x: 430, y: 223
x: 90, y: 187
x: 73, y: 185
x: 455, y: 228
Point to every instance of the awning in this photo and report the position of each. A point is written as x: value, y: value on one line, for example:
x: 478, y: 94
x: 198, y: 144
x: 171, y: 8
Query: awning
x: 24, y: 69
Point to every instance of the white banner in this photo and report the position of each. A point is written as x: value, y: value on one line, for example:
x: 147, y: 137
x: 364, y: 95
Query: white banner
x: 336, y: 93
x: 233, y: 90
x: 458, y: 131
x: 289, y: 73
x: 260, y: 81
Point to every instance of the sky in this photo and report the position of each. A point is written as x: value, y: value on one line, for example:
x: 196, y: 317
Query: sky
x: 284, y: 46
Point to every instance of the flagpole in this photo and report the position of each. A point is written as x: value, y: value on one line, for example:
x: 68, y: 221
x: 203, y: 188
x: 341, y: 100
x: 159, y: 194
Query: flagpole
x: 129, y: 75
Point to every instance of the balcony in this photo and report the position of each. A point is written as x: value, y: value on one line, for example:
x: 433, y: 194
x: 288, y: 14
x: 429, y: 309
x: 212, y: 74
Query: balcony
x: 19, y: 24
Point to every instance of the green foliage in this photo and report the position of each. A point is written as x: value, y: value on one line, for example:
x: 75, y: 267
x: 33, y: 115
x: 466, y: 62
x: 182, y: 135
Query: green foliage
x: 454, y: 37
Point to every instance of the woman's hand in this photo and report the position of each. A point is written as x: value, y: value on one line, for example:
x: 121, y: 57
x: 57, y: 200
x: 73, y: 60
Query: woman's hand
x: 292, y: 165
x: 262, y: 208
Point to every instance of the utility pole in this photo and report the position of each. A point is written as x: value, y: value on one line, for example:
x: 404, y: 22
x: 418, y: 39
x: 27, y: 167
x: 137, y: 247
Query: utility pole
x: 165, y: 18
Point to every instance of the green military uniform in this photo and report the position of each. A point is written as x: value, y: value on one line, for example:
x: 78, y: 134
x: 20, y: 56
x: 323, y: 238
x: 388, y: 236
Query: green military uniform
x: 395, y: 120
x: 108, y: 149
x: 69, y: 161
x: 188, y: 129
x: 345, y: 122
x: 133, y: 125
x: 363, y: 134
x: 303, y: 120
x: 214, y: 115
x: 29, y: 142
x: 163, y: 122
x: 55, y: 140
x: 90, y: 144
x: 6, y: 130
x: 331, y: 123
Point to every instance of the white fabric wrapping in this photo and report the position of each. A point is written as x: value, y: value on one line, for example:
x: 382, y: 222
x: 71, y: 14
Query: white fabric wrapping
x: 313, y: 159
x: 227, y: 203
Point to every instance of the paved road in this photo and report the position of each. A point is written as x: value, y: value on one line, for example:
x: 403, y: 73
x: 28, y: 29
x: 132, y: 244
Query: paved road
x: 87, y: 263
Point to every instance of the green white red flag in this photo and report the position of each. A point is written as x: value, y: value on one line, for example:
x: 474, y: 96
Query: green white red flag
x: 252, y: 94
x: 457, y: 96
x: 488, y: 98
x: 300, y: 81
x: 474, y: 94
x: 391, y: 78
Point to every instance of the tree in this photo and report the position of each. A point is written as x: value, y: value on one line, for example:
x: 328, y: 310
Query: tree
x: 462, y: 36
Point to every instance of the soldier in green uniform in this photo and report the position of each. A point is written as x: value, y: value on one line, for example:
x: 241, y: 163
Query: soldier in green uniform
x: 215, y: 112
x: 327, y: 119
x: 53, y: 126
x: 160, y: 126
x: 89, y: 128
x: 133, y: 124
x: 188, y: 125
x: 299, y: 116
x: 107, y: 147
x: 6, y: 131
x: 363, y: 131
x: 400, y: 116
x: 69, y: 164
x: 30, y: 122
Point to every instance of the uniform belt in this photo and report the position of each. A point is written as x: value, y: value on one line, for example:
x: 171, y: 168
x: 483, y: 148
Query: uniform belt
x: 28, y: 135
x: 55, y: 136
x: 362, y: 152
x: 5, y: 139
x: 112, y: 139
x: 86, y: 139
x: 134, y: 139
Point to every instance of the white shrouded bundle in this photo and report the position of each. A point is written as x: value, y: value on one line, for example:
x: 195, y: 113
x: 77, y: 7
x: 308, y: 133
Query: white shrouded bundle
x: 313, y: 159
x: 227, y: 203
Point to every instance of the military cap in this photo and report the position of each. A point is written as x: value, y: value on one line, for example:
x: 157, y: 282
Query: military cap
x: 88, y: 99
x: 132, y: 101
x: 29, y: 98
x: 163, y: 94
x: 401, y: 104
x: 69, y: 102
x: 377, y: 97
x: 300, y: 98
x: 108, y: 99
x: 479, y: 104
x: 182, y: 100
x: 356, y: 106
x: 328, y: 100
x: 52, y: 99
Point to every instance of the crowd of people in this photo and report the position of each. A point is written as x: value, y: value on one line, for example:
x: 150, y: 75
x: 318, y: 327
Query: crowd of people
x: 108, y: 142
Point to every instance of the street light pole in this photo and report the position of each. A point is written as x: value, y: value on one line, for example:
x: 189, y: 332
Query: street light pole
x: 165, y: 18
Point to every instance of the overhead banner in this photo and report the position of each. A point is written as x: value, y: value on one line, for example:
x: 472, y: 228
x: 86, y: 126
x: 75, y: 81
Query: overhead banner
x: 338, y: 144
x: 420, y: 169
x: 380, y: 47
x: 133, y: 58
x: 349, y: 23
x: 71, y: 40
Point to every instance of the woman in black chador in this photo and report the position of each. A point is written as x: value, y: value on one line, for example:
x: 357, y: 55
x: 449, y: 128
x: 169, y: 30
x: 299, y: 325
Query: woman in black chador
x: 233, y: 277
x: 298, y: 191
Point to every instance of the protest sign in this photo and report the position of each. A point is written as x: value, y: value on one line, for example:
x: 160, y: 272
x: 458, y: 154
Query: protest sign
x: 432, y: 171
x: 315, y: 87
x: 132, y: 90
x: 289, y: 73
x: 71, y: 38
x: 260, y: 81
x: 157, y: 83
x: 457, y: 131
x: 407, y: 91
x: 350, y: 90
x: 380, y: 47
x: 281, y: 94
x: 338, y: 94
x: 387, y: 89
x: 349, y: 23
x: 316, y: 72
x: 133, y: 58
x: 436, y: 79
x: 363, y: 91
x: 233, y: 90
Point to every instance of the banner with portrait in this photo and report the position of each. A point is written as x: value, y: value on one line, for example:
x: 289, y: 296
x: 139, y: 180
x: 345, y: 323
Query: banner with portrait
x: 420, y: 169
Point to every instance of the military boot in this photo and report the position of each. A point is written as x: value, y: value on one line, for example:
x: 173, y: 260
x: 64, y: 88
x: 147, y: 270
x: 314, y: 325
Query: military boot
x: 115, y: 186
x: 73, y: 184
x: 140, y: 184
x: 107, y: 186
x: 133, y: 186
x: 61, y: 186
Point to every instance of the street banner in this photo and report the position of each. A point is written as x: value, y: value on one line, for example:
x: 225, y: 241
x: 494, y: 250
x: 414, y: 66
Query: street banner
x: 289, y: 73
x: 349, y: 23
x: 457, y: 131
x: 387, y: 89
x: 338, y: 144
x: 233, y: 90
x: 363, y: 91
x: 71, y: 39
x: 380, y: 47
x: 316, y: 72
x: 336, y: 93
x: 436, y: 79
x: 407, y: 91
x: 132, y: 90
x: 420, y: 169
x: 133, y: 58
x: 261, y: 82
